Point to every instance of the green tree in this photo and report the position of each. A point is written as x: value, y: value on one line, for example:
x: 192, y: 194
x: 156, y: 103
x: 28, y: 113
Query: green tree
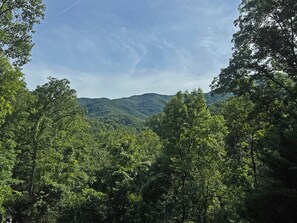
x: 245, y: 133
x: 275, y: 199
x: 52, y: 150
x: 194, y: 149
x: 121, y: 179
x: 244, y: 145
x: 263, y: 68
x: 263, y: 64
x: 17, y: 18
x: 10, y: 85
x: 87, y: 205
x: 264, y: 48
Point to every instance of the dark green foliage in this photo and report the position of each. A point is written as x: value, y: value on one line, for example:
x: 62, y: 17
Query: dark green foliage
x: 212, y: 98
x: 263, y: 70
x: 86, y: 206
x: 264, y: 48
x: 276, y: 196
x: 271, y: 205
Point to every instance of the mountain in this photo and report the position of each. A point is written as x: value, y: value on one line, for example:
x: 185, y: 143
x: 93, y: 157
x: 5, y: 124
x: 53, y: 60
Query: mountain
x: 131, y: 111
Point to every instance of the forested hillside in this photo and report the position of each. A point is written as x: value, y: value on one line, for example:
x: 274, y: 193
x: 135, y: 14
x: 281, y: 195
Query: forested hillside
x: 233, y: 161
x: 132, y: 112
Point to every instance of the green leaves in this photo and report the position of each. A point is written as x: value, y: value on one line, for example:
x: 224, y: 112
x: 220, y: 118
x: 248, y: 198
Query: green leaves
x: 17, y: 18
x: 263, y: 70
x: 194, y: 147
x: 264, y: 45
x: 10, y: 84
x: 51, y: 148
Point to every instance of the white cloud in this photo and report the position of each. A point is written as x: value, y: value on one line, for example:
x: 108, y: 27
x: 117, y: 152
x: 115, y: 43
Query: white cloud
x: 116, y: 86
x: 108, y: 50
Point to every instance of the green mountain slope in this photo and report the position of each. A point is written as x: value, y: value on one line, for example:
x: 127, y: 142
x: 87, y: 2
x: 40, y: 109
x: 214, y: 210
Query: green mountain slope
x: 130, y: 111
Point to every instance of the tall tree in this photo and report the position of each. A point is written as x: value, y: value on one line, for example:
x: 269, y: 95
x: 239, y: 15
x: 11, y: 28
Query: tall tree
x: 51, y: 149
x: 10, y: 85
x: 264, y: 48
x: 245, y: 132
x: 263, y: 68
x: 17, y: 19
x: 194, y: 149
x: 264, y: 63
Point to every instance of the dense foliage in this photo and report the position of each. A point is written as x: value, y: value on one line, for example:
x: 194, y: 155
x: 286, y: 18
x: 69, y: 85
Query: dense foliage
x: 132, y: 112
x: 263, y: 70
x: 17, y: 19
x: 233, y: 161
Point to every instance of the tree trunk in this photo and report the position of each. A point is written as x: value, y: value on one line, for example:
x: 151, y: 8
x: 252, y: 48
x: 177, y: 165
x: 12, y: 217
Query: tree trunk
x: 252, y: 150
x: 33, y: 170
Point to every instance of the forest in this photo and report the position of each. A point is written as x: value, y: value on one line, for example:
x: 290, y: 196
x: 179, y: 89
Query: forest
x: 232, y: 161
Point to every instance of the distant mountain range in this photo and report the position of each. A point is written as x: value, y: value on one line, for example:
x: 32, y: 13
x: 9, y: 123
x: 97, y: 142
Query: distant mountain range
x: 131, y: 111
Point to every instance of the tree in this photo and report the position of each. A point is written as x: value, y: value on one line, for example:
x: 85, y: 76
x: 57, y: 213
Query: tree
x: 129, y: 158
x: 263, y: 68
x: 10, y: 85
x: 264, y: 62
x: 194, y: 150
x: 243, y: 141
x: 53, y: 154
x: 17, y: 18
x: 244, y: 146
x: 275, y: 199
x: 264, y: 48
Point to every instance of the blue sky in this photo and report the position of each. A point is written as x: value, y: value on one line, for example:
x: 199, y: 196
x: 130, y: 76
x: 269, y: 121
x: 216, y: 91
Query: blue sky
x: 118, y: 48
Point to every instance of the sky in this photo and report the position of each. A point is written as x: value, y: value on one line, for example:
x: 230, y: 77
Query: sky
x: 119, y: 48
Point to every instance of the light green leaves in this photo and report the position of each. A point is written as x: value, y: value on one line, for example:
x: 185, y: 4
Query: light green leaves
x: 17, y: 19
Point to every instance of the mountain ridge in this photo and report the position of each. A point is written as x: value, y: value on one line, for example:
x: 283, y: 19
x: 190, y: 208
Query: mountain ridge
x: 131, y: 111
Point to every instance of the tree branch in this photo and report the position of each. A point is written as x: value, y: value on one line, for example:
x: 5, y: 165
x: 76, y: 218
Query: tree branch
x: 292, y: 45
x: 2, y: 6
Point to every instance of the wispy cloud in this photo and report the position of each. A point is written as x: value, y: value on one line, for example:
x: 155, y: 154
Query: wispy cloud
x: 70, y: 6
x: 120, y: 85
x: 117, y: 48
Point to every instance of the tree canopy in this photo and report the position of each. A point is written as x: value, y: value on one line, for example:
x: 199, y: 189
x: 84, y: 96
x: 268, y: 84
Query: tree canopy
x: 17, y: 20
x: 264, y: 50
x: 233, y: 161
x: 263, y: 69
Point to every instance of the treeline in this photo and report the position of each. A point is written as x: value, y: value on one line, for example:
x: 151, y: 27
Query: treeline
x: 233, y: 162
x: 132, y: 112
x: 188, y: 165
